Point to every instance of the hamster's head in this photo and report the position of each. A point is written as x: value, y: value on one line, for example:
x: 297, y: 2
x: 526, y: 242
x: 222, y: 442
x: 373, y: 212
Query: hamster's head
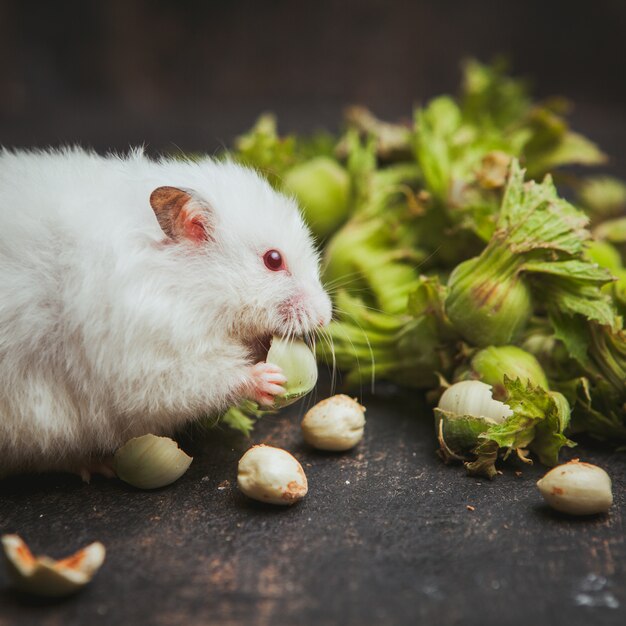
x: 256, y: 240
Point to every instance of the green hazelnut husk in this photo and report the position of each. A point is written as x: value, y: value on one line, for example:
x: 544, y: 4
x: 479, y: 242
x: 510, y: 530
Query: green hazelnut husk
x: 605, y: 255
x: 322, y: 188
x: 488, y: 302
x: 492, y: 364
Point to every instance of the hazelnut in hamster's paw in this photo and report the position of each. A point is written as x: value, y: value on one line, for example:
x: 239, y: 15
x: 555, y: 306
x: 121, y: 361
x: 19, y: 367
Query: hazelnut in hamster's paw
x: 267, y: 382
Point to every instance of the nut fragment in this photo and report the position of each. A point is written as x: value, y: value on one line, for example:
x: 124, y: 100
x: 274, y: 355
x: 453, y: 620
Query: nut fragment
x: 48, y: 577
x: 473, y: 397
x: 577, y: 488
x: 271, y: 475
x: 299, y: 366
x: 336, y: 423
x: 149, y: 462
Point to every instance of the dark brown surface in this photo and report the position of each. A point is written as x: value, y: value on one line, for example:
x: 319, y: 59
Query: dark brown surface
x: 384, y: 537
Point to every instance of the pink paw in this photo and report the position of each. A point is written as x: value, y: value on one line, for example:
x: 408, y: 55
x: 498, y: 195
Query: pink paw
x: 267, y: 382
x: 104, y: 467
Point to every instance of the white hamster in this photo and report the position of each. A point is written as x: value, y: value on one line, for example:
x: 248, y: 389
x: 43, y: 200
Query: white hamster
x: 134, y: 295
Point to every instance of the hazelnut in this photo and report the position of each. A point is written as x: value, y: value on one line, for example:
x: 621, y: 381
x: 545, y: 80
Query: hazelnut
x: 577, y: 488
x: 336, y: 424
x: 271, y: 475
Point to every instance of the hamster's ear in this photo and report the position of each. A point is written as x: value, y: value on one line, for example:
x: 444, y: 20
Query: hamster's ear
x: 181, y: 215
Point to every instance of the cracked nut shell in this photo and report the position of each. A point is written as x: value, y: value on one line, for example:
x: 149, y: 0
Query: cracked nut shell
x: 51, y: 578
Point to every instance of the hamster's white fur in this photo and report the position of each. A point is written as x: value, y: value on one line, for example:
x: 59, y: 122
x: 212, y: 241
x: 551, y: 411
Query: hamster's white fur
x: 108, y: 332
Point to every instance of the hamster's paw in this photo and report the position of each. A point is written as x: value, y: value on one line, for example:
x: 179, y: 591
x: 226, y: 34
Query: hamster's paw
x: 267, y: 382
x: 104, y: 467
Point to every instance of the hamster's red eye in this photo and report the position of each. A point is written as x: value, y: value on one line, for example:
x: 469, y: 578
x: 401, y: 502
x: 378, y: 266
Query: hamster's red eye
x: 273, y: 260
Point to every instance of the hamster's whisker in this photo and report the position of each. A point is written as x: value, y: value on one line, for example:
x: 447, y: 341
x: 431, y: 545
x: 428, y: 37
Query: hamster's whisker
x: 343, y: 280
x: 356, y: 292
x: 369, y: 347
x: 333, y: 378
x: 326, y: 337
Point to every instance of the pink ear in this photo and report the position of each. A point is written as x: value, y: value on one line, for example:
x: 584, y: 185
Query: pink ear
x: 180, y: 215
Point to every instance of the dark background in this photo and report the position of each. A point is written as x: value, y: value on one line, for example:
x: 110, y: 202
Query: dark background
x: 194, y: 74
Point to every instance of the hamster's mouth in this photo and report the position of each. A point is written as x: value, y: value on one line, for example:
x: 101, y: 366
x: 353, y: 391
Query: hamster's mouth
x: 259, y: 347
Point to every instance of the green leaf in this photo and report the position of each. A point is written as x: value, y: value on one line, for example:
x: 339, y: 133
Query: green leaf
x: 607, y: 350
x: 574, y: 269
x: 434, y: 127
x: 571, y: 292
x: 572, y: 288
x: 552, y: 225
x: 485, y: 462
x: 492, y: 97
x: 548, y: 443
x: 393, y: 141
x: 427, y: 297
x: 605, y: 254
x: 521, y: 198
x: 612, y: 230
x: 262, y: 148
x: 370, y: 320
x: 603, y: 195
x: 552, y: 144
x: 574, y: 299
x: 571, y: 149
x: 549, y: 437
x: 243, y: 417
x: 237, y: 420
x: 322, y: 189
x: 573, y: 331
x: 515, y: 432
x: 360, y: 155
x: 534, y: 403
x: 596, y: 409
x: 533, y: 217
x: 536, y: 423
